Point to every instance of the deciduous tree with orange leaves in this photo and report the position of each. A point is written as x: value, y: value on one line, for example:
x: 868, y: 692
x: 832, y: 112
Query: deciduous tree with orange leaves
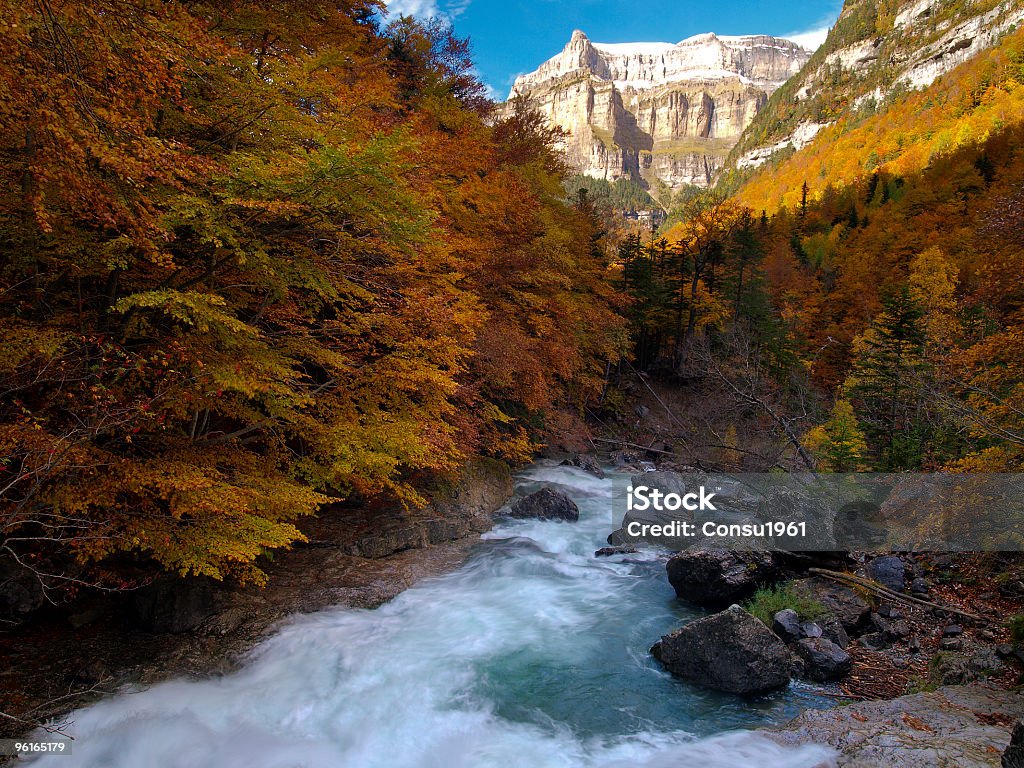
x: 260, y: 256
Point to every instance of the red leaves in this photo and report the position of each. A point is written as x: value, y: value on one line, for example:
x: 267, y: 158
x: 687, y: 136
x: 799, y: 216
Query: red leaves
x: 274, y: 259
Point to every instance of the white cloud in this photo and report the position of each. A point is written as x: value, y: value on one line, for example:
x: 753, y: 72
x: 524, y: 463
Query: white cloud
x: 456, y: 8
x: 811, y: 38
x: 423, y: 9
x: 427, y: 9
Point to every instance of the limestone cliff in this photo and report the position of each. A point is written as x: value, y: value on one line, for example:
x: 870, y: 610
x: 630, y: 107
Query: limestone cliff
x: 656, y: 112
x: 873, y: 55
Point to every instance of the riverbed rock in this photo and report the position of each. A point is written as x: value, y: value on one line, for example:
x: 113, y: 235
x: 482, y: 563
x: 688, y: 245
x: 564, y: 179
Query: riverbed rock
x: 786, y: 624
x: 888, y: 571
x: 832, y: 629
x: 624, y: 549
x: 825, y: 661
x: 875, y: 641
x: 546, y: 504
x: 952, y: 727
x: 1013, y: 755
x: 951, y: 668
x: 586, y: 463
x: 919, y: 587
x: 810, y: 629
x: 714, y: 578
x: 839, y: 601
x: 728, y: 651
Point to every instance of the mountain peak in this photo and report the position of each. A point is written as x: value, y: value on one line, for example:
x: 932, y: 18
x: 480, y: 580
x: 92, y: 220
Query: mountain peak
x: 661, y: 111
x: 704, y: 37
x: 758, y: 59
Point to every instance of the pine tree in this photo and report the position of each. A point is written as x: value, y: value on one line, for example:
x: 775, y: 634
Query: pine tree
x: 839, y: 444
x: 887, y: 383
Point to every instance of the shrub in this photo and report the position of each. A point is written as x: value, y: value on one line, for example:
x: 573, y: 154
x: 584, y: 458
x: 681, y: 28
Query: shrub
x: 768, y: 601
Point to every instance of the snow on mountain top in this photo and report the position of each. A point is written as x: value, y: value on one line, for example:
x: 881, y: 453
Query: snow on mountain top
x: 657, y: 49
x: 633, y: 49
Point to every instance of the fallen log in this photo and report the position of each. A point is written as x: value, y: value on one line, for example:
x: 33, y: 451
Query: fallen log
x: 873, y: 586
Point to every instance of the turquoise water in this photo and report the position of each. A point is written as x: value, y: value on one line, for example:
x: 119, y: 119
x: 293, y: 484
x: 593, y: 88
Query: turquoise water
x: 534, y: 653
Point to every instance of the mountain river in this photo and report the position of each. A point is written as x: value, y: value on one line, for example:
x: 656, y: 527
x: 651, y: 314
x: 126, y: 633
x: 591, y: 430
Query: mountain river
x: 534, y: 653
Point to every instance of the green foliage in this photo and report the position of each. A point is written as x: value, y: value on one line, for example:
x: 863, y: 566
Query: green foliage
x: 922, y: 684
x: 645, y: 275
x: 886, y: 382
x: 839, y: 443
x: 621, y: 195
x: 768, y: 601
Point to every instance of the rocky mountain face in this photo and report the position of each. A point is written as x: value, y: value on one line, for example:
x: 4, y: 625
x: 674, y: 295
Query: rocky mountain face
x: 876, y: 52
x: 665, y: 115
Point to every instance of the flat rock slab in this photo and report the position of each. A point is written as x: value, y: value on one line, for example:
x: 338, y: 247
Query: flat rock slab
x: 963, y: 726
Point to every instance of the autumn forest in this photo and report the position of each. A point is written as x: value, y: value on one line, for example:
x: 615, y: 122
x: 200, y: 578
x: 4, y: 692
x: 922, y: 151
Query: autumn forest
x: 262, y: 258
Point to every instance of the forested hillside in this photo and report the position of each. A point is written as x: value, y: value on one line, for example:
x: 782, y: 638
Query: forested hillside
x: 979, y: 99
x: 877, y: 53
x: 257, y: 259
x: 861, y: 300
x: 258, y: 256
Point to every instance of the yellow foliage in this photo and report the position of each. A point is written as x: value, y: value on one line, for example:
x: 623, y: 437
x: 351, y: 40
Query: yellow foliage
x: 906, y: 135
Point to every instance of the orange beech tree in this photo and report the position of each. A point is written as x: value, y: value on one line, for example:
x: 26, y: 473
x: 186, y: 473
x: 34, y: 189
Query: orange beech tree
x: 257, y: 256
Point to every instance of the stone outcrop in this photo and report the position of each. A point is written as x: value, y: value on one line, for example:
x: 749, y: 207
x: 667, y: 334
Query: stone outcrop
x: 953, y: 727
x: 839, y: 601
x: 585, y: 462
x: 546, y: 504
x: 714, y: 578
x: 655, y: 111
x: 21, y: 593
x: 1013, y: 755
x: 824, y: 661
x: 172, y: 604
x: 457, y: 509
x: 729, y: 651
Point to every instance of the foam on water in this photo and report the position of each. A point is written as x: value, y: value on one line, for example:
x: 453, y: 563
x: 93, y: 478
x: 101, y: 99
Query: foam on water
x: 532, y: 654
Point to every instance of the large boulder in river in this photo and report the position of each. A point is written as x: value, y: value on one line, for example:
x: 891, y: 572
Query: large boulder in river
x: 546, y: 504
x: 824, y: 660
x: 728, y: 651
x: 715, y: 578
x: 586, y: 463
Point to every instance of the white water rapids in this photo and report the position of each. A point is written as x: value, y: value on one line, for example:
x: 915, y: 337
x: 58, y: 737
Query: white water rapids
x: 534, y: 654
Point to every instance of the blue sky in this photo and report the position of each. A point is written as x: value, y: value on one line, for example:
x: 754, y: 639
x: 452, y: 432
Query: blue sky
x: 514, y: 36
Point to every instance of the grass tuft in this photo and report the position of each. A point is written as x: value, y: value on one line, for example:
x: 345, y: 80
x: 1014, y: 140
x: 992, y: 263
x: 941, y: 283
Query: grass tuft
x: 768, y: 601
